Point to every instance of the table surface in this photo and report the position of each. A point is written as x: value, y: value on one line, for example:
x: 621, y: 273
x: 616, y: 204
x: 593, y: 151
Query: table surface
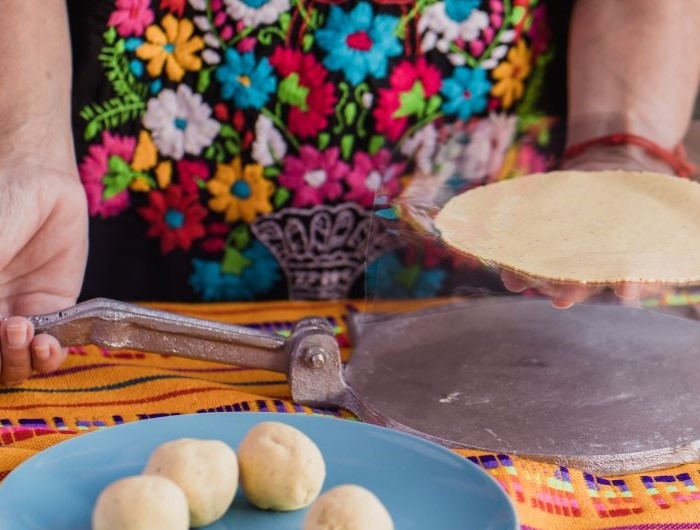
x: 98, y: 388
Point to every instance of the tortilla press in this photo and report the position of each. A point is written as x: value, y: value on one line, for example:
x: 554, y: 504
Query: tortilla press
x: 605, y: 388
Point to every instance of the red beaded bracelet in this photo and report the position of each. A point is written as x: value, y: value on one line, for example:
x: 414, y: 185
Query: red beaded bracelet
x: 676, y: 159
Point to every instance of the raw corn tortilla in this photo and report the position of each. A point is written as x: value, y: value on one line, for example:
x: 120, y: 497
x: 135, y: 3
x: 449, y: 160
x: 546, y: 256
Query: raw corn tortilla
x: 604, y: 227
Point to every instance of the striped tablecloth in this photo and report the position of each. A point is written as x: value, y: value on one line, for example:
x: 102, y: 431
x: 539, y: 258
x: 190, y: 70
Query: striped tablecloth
x: 97, y: 388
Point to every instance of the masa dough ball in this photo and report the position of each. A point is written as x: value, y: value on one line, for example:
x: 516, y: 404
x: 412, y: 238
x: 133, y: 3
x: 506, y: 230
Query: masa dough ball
x: 281, y: 468
x: 206, y: 470
x: 348, y: 507
x: 141, y: 503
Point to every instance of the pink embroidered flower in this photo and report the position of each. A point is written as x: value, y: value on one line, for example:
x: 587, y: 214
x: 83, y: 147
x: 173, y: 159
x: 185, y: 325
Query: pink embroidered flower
x: 131, y: 17
x: 305, y: 89
x: 95, y: 166
x: 371, y: 174
x: 190, y: 171
x: 175, y: 217
x: 412, y: 85
x: 314, y: 176
x: 540, y: 32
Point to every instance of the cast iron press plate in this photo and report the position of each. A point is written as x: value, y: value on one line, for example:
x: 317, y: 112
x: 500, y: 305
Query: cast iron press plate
x: 606, y: 388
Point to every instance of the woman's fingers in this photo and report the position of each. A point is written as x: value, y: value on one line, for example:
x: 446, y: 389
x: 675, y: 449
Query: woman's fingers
x: 562, y: 295
x: 47, y: 354
x: 16, y: 334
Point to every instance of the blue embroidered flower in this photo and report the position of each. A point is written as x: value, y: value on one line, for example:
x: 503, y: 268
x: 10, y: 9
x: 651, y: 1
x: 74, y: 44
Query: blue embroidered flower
x: 358, y: 43
x: 212, y: 284
x: 247, y: 83
x: 465, y: 92
x: 389, y: 278
x: 459, y: 10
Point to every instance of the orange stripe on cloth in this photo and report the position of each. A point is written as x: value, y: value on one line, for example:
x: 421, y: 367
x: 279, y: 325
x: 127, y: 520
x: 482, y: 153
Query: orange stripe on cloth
x: 96, y: 389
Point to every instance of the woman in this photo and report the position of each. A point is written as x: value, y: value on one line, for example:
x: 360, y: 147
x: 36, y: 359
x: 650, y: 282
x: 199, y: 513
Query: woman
x: 235, y: 149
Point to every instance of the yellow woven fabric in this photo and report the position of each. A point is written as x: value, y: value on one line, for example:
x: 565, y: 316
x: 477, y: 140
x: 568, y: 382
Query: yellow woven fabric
x: 98, y: 388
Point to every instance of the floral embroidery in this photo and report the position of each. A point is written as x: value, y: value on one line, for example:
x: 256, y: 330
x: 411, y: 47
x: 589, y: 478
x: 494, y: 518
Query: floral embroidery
x: 253, y: 13
x: 305, y: 89
x: 176, y: 218
x: 314, y: 176
x: 230, y: 124
x: 510, y: 75
x: 359, y: 43
x: 180, y: 122
x: 174, y: 46
x: 412, y: 94
x: 131, y: 17
x: 466, y: 92
x: 247, y: 83
x: 240, y: 192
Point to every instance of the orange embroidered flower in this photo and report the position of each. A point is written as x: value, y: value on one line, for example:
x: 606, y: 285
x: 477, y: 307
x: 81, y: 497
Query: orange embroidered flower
x: 173, y: 47
x: 511, y: 74
x: 241, y: 193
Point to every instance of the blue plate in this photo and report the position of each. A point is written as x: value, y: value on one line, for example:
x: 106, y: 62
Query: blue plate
x: 424, y: 486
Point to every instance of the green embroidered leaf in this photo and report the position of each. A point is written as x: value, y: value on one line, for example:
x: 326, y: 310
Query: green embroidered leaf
x: 227, y: 131
x: 283, y: 20
x: 117, y: 164
x: 282, y: 195
x: 292, y: 93
x: 375, y: 143
x: 433, y: 104
x: 350, y: 112
x: 234, y: 262
x: 118, y: 177
x: 412, y: 103
x: 232, y: 147
x: 110, y: 35
x: 210, y: 152
x: 544, y: 136
x: 110, y: 114
x: 517, y: 15
x: 346, y: 144
x: 204, y: 80
x: 118, y: 72
x: 307, y: 42
x: 271, y: 172
x: 323, y: 140
x: 240, y: 237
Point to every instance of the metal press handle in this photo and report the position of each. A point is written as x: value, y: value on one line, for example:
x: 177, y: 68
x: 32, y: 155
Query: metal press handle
x: 114, y: 324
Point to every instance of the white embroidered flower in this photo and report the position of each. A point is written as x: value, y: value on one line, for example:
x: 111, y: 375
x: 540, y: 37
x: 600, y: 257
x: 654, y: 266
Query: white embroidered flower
x: 199, y: 5
x: 180, y: 122
x: 269, y: 145
x: 256, y: 12
x: 440, y: 31
x: 488, y: 142
x: 421, y: 147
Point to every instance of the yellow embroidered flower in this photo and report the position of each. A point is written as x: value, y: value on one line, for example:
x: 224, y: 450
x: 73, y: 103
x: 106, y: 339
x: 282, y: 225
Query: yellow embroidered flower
x: 173, y: 46
x: 511, y: 74
x: 241, y: 193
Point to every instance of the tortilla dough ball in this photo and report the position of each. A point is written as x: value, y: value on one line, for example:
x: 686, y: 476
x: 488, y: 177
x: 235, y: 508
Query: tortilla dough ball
x: 281, y: 468
x: 348, y: 507
x: 206, y: 470
x: 141, y: 503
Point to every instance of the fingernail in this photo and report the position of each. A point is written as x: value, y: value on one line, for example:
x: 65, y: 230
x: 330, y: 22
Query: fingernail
x: 16, y: 335
x: 42, y: 352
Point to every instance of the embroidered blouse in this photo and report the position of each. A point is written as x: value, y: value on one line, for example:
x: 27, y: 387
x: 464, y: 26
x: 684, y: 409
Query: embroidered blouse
x: 249, y: 149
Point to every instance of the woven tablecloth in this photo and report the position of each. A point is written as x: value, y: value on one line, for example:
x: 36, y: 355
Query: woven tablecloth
x: 97, y: 388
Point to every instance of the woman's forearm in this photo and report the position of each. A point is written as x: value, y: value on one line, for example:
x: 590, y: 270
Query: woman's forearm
x: 35, y: 81
x: 634, y: 67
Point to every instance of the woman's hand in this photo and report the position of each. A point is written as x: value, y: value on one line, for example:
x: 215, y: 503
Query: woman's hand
x: 563, y: 295
x: 43, y: 251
